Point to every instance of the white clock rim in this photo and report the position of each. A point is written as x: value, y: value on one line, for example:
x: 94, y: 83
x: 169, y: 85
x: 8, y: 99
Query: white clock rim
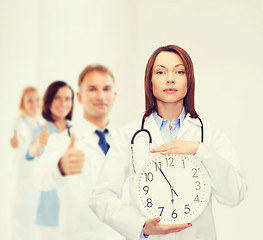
x: 188, y: 157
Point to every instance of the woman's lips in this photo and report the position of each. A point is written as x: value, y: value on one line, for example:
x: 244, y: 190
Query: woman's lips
x: 62, y: 110
x: 170, y: 90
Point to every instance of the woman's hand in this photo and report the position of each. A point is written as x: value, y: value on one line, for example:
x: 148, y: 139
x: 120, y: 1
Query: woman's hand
x: 14, y: 140
x: 178, y: 147
x: 35, y: 147
x: 153, y: 227
x: 43, y: 137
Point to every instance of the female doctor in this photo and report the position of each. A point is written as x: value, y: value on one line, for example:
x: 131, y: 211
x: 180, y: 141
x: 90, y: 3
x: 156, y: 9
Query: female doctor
x: 23, y: 195
x: 171, y: 119
x: 58, y: 102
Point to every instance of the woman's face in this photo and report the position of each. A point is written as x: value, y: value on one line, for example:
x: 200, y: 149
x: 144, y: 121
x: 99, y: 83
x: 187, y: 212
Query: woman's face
x: 169, y: 80
x: 32, y: 103
x: 62, y: 103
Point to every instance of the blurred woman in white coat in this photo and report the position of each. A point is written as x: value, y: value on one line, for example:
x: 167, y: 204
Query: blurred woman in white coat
x: 171, y: 118
x: 23, y: 195
x: 58, y: 105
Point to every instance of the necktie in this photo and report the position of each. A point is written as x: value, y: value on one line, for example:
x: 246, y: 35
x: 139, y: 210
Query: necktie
x: 102, y: 142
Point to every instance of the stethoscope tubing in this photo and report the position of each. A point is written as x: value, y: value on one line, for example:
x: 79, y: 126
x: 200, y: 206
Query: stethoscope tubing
x: 150, y: 138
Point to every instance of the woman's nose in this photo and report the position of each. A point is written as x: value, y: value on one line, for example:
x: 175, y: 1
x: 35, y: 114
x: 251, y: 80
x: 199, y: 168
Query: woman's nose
x: 170, y: 79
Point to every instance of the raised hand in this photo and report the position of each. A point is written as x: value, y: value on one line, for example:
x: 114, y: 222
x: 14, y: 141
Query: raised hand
x: 14, y: 140
x: 153, y: 227
x: 43, y: 137
x: 73, y: 160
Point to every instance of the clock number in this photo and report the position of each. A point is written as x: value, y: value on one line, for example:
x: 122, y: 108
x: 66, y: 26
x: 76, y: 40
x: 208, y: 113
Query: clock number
x: 162, y: 208
x: 174, y: 214
x: 149, y: 203
x: 197, y: 199
x: 187, y: 209
x: 195, y: 171
x: 158, y: 166
x: 198, y: 187
x: 148, y: 176
x: 146, y: 189
x: 171, y: 160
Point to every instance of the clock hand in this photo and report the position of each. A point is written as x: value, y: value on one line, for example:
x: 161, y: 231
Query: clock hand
x: 172, y: 198
x: 174, y: 191
x: 171, y: 187
x: 165, y: 177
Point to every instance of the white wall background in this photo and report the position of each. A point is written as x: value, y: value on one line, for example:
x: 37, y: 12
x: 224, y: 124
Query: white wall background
x: 46, y: 40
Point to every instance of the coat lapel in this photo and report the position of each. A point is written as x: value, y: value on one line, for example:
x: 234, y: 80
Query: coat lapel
x: 187, y: 132
x: 151, y: 125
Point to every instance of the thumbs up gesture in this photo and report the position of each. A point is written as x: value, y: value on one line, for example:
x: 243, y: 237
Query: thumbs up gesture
x: 43, y: 137
x: 72, y: 161
x: 14, y: 140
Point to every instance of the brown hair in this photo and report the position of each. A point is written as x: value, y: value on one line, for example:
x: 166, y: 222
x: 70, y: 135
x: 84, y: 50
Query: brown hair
x: 24, y: 93
x: 150, y: 100
x: 95, y: 67
x: 49, y: 96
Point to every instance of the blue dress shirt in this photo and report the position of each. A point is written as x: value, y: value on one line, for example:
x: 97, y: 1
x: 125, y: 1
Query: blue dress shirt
x: 167, y: 133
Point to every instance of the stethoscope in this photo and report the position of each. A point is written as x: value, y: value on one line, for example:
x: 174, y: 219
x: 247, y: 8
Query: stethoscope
x: 142, y: 129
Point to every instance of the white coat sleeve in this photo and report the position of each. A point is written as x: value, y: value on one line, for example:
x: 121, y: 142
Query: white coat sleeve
x: 106, y: 198
x: 218, y: 156
x: 46, y: 174
x: 22, y: 132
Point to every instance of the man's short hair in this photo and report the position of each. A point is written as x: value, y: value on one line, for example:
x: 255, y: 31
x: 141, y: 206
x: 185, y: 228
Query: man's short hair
x: 95, y: 67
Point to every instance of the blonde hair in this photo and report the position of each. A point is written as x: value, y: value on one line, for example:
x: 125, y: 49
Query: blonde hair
x: 24, y: 93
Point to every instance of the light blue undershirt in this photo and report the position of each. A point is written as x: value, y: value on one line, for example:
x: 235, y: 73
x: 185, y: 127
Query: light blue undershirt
x: 48, y: 207
x: 167, y: 134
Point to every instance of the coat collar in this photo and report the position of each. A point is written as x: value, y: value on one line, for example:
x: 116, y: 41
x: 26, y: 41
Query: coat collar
x: 84, y: 127
x: 151, y: 125
x: 85, y: 132
x: 31, y: 122
x: 188, y: 121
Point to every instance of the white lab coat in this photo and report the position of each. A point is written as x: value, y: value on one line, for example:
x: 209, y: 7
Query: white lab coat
x: 23, y: 194
x: 76, y: 220
x: 228, y: 184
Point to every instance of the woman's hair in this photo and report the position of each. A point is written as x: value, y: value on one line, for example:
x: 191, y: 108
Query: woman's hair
x: 22, y: 99
x: 49, y: 97
x: 150, y: 100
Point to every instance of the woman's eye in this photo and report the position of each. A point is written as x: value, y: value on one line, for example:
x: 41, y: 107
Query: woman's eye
x: 180, y: 72
x: 160, y: 72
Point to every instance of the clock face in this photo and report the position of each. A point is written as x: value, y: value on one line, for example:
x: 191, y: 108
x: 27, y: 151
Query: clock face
x: 175, y: 188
